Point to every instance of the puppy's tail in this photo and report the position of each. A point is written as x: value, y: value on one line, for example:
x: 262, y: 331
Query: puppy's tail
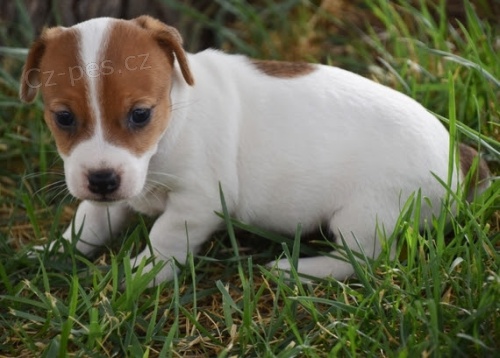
x: 475, y: 168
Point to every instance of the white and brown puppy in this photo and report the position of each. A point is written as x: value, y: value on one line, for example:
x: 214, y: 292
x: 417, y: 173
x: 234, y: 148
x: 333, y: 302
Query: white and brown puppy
x: 143, y: 126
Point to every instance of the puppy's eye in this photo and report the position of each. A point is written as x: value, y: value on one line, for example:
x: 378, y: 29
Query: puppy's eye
x: 65, y: 119
x: 139, y: 117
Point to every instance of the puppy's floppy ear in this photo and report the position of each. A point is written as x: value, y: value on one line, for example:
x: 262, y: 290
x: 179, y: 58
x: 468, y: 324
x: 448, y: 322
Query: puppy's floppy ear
x: 169, y: 40
x: 31, y: 76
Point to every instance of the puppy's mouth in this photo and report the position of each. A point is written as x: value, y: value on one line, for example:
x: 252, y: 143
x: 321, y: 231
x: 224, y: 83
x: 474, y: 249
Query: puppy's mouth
x: 104, y: 200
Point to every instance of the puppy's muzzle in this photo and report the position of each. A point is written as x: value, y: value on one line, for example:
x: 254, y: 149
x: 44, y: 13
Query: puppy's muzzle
x: 103, y: 182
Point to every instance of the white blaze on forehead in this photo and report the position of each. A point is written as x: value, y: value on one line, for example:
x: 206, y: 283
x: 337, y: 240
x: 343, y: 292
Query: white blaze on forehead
x: 93, y: 40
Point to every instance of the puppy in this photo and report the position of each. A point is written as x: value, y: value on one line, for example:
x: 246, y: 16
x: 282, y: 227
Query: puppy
x: 143, y: 126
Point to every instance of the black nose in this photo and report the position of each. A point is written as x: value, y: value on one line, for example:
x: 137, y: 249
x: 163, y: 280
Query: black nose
x: 103, y: 181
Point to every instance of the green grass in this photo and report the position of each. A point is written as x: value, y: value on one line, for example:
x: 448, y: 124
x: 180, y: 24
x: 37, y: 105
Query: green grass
x: 441, y: 298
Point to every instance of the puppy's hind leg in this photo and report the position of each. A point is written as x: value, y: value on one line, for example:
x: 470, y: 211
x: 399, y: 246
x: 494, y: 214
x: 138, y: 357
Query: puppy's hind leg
x: 358, y: 231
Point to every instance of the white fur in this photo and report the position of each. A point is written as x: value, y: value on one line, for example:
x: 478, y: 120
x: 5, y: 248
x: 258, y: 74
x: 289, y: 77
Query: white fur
x: 327, y: 147
x: 93, y: 38
x: 96, y: 153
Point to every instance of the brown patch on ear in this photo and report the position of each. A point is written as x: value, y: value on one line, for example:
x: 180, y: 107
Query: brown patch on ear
x: 49, y: 68
x: 140, y: 76
x: 480, y: 178
x: 31, y: 76
x: 169, y: 40
x: 283, y: 69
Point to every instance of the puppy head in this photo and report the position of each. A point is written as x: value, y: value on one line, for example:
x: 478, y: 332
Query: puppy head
x: 105, y: 84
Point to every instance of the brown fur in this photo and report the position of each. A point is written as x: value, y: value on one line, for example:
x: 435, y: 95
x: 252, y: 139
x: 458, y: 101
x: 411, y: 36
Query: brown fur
x: 480, y: 178
x: 141, y: 78
x: 169, y: 40
x: 132, y: 74
x: 47, y: 67
x: 284, y: 69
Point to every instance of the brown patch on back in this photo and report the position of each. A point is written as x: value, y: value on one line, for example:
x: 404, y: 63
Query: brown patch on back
x: 53, y: 66
x: 283, y: 69
x: 480, y: 178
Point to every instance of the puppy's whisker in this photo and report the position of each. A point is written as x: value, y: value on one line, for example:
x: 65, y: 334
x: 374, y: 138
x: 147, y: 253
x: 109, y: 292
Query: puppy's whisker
x: 64, y: 191
x: 64, y: 198
x: 59, y: 188
x: 156, y: 184
x: 179, y: 105
x: 151, y: 189
x: 167, y: 175
x: 41, y: 174
x: 145, y: 197
x: 50, y: 187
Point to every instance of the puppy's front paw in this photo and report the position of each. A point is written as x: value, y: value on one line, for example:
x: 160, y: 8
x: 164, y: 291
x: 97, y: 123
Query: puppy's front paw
x: 284, y: 267
x: 278, y: 267
x: 35, y: 250
x: 154, y: 272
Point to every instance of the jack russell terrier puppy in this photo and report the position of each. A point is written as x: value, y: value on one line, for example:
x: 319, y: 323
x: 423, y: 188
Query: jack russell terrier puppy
x: 143, y: 126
